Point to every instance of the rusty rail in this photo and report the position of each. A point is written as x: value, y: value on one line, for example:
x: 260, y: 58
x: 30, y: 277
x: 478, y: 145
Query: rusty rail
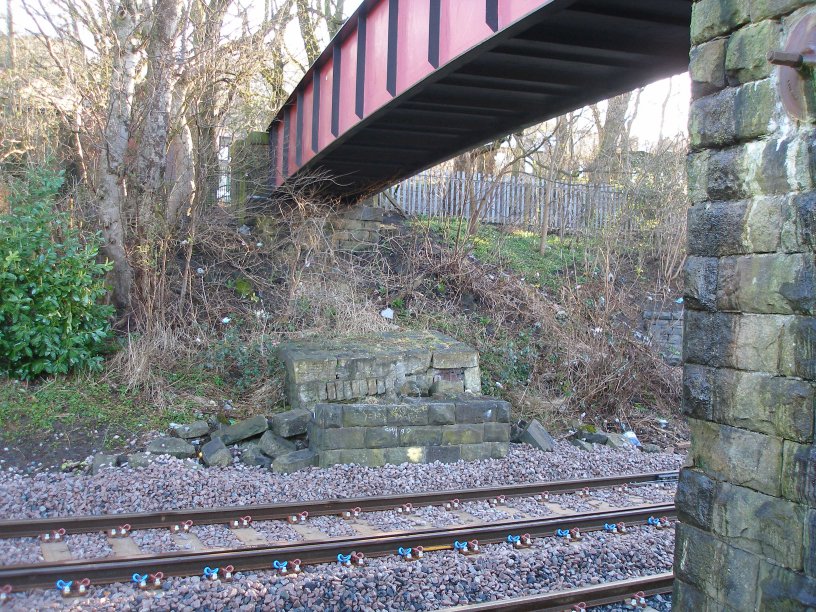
x: 595, y: 595
x: 113, y: 569
x: 267, y: 512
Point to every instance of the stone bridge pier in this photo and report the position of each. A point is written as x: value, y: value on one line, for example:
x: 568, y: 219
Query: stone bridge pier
x: 746, y: 539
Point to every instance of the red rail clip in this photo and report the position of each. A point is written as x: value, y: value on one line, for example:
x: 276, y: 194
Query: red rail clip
x: 638, y: 600
x: 241, y: 522
x: 181, y: 527
x: 5, y: 591
x: 119, y: 532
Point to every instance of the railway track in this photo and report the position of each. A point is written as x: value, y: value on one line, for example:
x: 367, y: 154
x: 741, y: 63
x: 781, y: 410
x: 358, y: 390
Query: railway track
x: 259, y: 557
x: 581, y: 598
x: 209, y: 516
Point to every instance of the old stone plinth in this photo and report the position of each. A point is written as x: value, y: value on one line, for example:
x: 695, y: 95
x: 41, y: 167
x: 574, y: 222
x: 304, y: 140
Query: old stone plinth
x: 412, y: 431
x: 382, y: 364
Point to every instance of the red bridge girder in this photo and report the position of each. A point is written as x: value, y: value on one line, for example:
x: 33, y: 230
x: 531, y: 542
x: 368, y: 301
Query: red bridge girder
x: 406, y: 84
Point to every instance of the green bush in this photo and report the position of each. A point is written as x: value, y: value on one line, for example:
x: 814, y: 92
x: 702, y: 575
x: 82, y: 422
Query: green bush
x: 51, y: 320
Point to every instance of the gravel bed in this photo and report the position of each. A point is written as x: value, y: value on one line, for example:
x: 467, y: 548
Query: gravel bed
x: 154, y: 540
x: 20, y: 551
x: 485, y: 512
x: 172, y: 484
x: 573, y: 502
x: 276, y: 531
x: 529, y: 506
x: 436, y: 516
x: 389, y: 520
x: 88, y: 545
x: 216, y: 536
x: 333, y: 526
x: 629, y: 496
x: 439, y: 580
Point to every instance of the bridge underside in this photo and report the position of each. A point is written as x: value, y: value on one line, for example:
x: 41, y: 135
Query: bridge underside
x: 560, y: 57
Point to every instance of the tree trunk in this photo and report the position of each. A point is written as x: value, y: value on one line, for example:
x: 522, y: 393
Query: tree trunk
x: 158, y: 96
x: 112, y: 188
x: 307, y: 30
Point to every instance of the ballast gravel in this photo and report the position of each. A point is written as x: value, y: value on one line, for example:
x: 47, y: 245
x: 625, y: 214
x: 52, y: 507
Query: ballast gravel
x: 441, y: 579
x: 18, y: 551
x: 216, y: 536
x: 485, y: 512
x: 170, y: 484
x: 88, y: 545
x: 154, y: 540
x: 276, y: 531
x: 333, y: 526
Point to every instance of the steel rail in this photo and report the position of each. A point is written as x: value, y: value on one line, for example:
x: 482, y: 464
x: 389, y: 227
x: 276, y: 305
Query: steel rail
x: 595, y: 595
x: 112, y: 569
x: 204, y: 516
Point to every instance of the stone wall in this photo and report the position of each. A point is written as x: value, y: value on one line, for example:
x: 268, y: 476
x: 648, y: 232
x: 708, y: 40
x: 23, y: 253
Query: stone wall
x: 415, y: 430
x: 386, y: 364
x: 664, y: 328
x: 360, y: 227
x: 747, y: 503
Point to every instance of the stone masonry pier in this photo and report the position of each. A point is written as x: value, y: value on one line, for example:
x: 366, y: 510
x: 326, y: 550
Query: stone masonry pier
x: 747, y: 502
x: 415, y: 430
x: 387, y: 364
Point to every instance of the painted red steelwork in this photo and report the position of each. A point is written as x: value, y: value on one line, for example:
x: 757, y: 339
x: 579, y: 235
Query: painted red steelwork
x: 408, y: 83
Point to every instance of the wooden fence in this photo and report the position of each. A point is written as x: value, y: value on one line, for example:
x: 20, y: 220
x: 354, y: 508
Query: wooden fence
x: 518, y: 201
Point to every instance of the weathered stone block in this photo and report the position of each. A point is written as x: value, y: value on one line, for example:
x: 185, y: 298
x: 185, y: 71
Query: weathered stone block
x: 763, y: 9
x: 688, y: 597
x: 734, y: 115
x: 290, y: 423
x: 743, y: 457
x: 783, y: 590
x: 475, y: 452
x: 140, y: 460
x: 254, y: 457
x: 175, y: 447
x: 344, y: 437
x: 273, y: 445
x: 707, y: 67
x: 462, y: 434
x: 799, y: 473
x: 102, y: 461
x: 420, y: 435
x: 328, y: 416
x: 701, y: 282
x: 443, y: 388
x: 443, y: 454
x: 757, y: 401
x: 536, y: 436
x: 502, y: 411
x: 441, y: 414
x: 196, y: 429
x: 810, y: 543
x: 374, y: 457
x: 712, y: 18
x: 455, y: 358
x: 497, y: 432
x: 746, y: 58
x: 724, y: 573
x: 759, y: 523
x: 382, y: 437
x: 476, y: 411
x: 292, y: 462
x: 244, y: 429
x: 303, y: 369
x: 215, y: 453
x: 498, y: 450
x: 405, y: 454
x: 407, y: 414
x: 473, y: 381
x: 364, y: 415
x: 695, y: 498
x: 770, y: 284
